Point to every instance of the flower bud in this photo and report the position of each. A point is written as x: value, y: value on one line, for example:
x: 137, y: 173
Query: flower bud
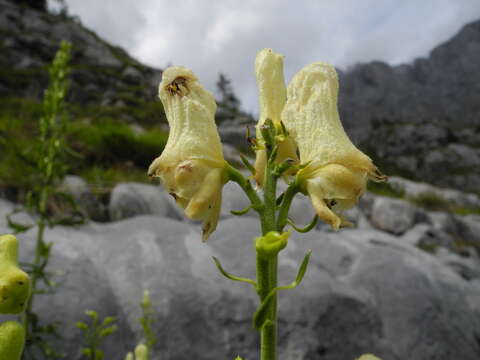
x: 12, y: 340
x: 141, y: 352
x: 272, y: 97
x: 14, y: 282
x: 271, y: 244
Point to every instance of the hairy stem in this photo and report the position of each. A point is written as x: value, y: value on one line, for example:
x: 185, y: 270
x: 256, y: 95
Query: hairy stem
x: 267, y: 268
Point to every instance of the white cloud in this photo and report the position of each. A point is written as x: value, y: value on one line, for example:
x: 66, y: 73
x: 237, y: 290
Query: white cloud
x: 210, y: 36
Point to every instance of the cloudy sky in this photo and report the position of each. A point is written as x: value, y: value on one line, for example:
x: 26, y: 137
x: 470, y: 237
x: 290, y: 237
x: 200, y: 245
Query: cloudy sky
x: 212, y: 36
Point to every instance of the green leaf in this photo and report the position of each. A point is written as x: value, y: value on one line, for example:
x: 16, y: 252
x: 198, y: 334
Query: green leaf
x: 306, y: 228
x: 260, y: 316
x: 108, y: 320
x: 108, y: 331
x: 81, y: 325
x: 247, y: 164
x: 241, y: 212
x: 232, y: 277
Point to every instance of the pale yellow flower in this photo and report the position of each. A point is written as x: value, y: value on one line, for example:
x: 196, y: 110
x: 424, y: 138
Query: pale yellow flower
x: 368, y: 357
x: 336, y: 172
x: 272, y: 97
x: 191, y: 167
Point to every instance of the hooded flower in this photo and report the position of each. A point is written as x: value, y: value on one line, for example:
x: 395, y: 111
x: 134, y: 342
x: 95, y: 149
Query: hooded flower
x: 272, y: 97
x: 191, y: 167
x: 335, y: 172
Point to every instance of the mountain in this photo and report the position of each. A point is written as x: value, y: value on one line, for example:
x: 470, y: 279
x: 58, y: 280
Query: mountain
x: 421, y: 120
x: 102, y: 74
x: 418, y: 120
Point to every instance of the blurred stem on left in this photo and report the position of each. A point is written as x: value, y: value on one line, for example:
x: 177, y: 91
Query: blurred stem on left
x: 50, y: 166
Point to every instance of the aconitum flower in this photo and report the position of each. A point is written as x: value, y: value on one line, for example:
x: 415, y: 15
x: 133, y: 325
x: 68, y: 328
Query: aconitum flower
x: 272, y: 97
x: 335, y: 172
x: 191, y: 167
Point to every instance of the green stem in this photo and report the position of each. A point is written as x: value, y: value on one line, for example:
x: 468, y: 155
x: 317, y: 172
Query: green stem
x: 34, y: 276
x: 39, y: 254
x: 290, y: 193
x: 267, y: 269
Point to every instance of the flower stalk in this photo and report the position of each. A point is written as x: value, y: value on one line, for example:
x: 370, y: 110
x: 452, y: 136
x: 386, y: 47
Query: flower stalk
x: 299, y: 138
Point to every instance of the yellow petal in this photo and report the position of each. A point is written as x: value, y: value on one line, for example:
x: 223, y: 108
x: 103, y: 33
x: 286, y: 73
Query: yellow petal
x: 190, y: 111
x: 271, y: 85
x: 191, y: 167
x: 311, y: 116
x: 272, y: 97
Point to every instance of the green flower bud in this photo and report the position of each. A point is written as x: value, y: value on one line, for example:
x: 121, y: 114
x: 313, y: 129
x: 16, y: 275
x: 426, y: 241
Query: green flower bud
x: 14, y: 283
x: 271, y: 244
x: 141, y: 352
x: 368, y: 357
x: 12, y: 340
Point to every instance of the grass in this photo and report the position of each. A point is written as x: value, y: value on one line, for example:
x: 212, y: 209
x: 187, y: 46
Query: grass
x: 385, y: 189
x: 434, y: 202
x: 430, y: 200
x: 106, y: 150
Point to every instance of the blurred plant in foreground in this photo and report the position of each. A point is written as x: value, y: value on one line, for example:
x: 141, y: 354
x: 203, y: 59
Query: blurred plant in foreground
x: 329, y: 168
x: 95, y: 333
x: 14, y: 294
x: 144, y: 348
x: 48, y: 166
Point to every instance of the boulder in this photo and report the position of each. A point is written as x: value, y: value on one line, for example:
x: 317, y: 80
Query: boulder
x: 133, y: 199
x: 364, y: 292
x: 392, y: 215
x: 78, y: 188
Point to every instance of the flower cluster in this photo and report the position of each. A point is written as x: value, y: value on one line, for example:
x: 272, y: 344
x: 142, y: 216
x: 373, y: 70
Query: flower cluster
x: 327, y: 166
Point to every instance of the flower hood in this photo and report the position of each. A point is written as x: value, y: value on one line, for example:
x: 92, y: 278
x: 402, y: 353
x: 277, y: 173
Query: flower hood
x: 191, y: 167
x: 335, y: 171
x: 272, y: 97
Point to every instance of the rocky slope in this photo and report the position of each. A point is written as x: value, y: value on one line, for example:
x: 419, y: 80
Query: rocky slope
x: 102, y: 75
x: 421, y: 119
x: 368, y: 289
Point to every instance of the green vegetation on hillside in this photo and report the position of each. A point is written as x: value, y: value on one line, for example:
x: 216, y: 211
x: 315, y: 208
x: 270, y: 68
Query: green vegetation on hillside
x: 105, y: 150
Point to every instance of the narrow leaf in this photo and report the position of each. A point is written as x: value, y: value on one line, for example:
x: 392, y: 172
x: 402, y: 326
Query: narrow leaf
x: 241, y: 212
x: 247, y: 164
x: 232, y: 277
x: 306, y: 228
x: 260, y: 317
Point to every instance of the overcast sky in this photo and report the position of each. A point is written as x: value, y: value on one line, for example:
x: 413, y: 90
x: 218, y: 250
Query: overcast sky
x: 212, y: 36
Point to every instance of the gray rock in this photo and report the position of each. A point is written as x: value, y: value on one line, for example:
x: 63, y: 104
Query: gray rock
x: 133, y: 199
x: 467, y: 268
x: 420, y: 119
x: 75, y: 186
x: 414, y: 189
x: 364, y: 292
x: 98, y: 68
x: 233, y: 198
x: 88, y: 203
x: 392, y: 215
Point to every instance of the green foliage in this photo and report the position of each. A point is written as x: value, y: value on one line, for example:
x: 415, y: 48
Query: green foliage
x: 101, y: 148
x: 48, y: 165
x: 147, y: 320
x: 112, y: 142
x: 385, y: 189
x: 431, y: 201
x: 94, y: 334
